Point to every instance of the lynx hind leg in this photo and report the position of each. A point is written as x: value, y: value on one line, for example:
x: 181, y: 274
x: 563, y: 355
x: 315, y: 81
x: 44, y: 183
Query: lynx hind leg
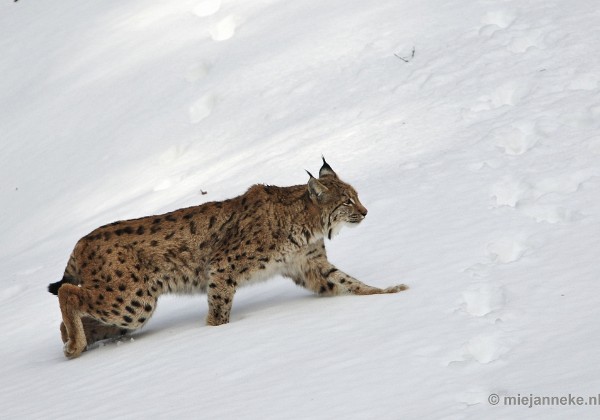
x: 78, y: 328
x: 71, y: 300
x: 96, y: 331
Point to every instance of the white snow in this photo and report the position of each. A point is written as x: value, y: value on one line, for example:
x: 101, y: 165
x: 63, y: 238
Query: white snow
x: 478, y: 158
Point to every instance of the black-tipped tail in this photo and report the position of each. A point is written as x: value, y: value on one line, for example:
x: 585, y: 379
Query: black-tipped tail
x: 53, y: 287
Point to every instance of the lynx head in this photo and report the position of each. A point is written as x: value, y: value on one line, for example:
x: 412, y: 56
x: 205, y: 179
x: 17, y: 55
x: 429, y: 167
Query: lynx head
x: 337, y: 201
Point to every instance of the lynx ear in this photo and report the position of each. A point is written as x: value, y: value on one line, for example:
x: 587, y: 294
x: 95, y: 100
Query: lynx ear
x: 315, y: 188
x: 326, y: 170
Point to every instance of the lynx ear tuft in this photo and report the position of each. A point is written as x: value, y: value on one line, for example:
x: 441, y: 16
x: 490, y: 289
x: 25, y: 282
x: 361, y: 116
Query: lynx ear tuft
x: 326, y: 170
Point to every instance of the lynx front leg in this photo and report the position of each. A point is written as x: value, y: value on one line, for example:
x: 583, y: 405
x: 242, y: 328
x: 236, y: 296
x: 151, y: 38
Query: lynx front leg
x: 324, y: 278
x: 220, y: 299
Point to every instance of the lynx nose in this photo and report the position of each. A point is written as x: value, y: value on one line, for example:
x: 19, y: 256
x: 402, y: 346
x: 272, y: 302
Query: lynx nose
x: 363, y: 211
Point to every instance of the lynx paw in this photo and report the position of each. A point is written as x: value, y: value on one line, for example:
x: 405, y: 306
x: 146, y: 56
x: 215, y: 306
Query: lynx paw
x: 71, y: 350
x: 395, y: 289
x: 215, y: 321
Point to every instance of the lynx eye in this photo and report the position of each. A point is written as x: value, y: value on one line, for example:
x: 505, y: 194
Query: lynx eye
x: 349, y: 202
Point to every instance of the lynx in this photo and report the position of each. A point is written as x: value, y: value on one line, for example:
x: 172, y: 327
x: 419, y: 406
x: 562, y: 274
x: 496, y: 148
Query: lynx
x: 117, y: 272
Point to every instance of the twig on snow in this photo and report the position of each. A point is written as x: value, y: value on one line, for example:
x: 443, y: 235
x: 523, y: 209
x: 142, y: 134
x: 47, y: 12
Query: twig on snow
x: 407, y: 60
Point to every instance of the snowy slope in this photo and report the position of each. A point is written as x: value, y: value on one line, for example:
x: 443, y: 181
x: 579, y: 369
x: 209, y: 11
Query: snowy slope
x: 478, y: 158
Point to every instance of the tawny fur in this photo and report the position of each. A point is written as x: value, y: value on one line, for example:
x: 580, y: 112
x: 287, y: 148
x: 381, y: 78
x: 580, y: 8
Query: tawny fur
x: 116, y: 273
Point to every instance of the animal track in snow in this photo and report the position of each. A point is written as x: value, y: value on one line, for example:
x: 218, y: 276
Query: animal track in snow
x: 501, y: 251
x: 484, y: 348
x: 564, y: 183
x: 506, y: 94
x: 528, y: 196
x: 549, y: 213
x: 480, y: 300
x: 478, y: 270
x: 510, y: 191
x: 515, y: 139
x: 202, y: 108
x: 505, y: 250
x: 496, y: 20
x: 223, y: 29
x: 500, y: 25
x: 197, y: 72
x: 207, y: 8
x: 175, y: 157
x: 526, y: 40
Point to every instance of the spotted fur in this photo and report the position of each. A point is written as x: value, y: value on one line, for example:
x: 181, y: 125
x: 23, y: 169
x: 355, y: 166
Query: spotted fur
x: 116, y: 273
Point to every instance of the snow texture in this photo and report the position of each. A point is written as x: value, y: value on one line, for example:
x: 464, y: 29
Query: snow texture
x: 470, y: 129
